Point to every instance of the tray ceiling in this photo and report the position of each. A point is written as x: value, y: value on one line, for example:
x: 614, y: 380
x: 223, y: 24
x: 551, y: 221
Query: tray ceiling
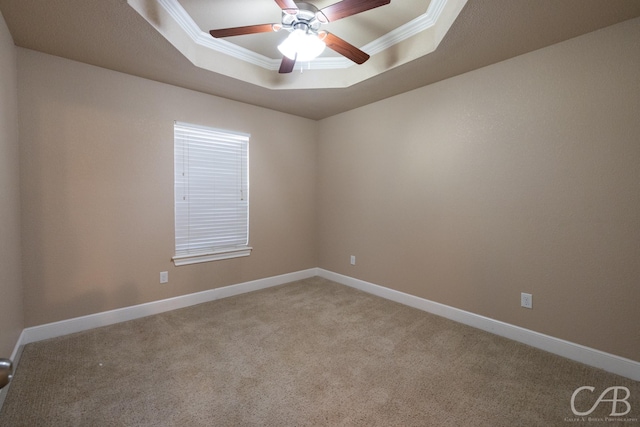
x: 392, y: 34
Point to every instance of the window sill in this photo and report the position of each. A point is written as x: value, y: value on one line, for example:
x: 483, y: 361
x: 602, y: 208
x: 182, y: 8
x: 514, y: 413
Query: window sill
x: 198, y: 257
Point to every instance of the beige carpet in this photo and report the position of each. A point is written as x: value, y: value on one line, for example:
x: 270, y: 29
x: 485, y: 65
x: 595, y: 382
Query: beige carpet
x: 311, y: 352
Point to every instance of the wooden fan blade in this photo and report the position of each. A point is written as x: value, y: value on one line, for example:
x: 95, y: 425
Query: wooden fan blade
x: 345, y: 49
x: 288, y: 6
x: 349, y: 7
x: 286, y: 66
x: 241, y: 31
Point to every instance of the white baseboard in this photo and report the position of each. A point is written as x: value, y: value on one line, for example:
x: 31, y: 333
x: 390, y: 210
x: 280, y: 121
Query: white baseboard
x: 589, y: 356
x: 18, y: 349
x: 78, y: 324
x: 579, y: 353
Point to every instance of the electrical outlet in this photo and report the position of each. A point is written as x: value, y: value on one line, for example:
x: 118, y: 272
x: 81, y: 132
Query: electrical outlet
x: 526, y: 300
x: 353, y: 260
x: 164, y: 277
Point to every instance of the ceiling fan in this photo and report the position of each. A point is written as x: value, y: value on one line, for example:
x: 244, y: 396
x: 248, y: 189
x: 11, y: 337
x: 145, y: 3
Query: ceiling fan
x: 306, y: 41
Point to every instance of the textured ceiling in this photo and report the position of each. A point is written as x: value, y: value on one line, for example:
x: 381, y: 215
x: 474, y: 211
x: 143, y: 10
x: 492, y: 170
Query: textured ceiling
x: 110, y: 34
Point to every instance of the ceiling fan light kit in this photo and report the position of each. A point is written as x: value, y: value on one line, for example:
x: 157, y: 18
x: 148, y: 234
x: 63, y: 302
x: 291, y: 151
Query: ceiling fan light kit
x: 302, y: 46
x: 306, y: 41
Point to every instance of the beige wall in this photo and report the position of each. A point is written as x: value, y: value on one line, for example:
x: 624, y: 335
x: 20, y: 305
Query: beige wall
x: 519, y: 177
x: 523, y: 176
x: 97, y: 187
x: 11, y: 319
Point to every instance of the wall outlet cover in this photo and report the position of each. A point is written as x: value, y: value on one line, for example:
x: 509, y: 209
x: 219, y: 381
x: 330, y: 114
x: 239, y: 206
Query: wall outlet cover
x: 526, y: 300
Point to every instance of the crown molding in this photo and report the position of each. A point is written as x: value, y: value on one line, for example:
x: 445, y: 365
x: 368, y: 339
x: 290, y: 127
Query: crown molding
x: 188, y: 25
x: 410, y: 29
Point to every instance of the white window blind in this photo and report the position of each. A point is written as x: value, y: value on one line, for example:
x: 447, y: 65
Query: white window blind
x: 211, y: 194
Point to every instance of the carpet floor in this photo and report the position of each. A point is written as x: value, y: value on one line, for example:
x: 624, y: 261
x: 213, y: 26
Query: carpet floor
x: 308, y: 353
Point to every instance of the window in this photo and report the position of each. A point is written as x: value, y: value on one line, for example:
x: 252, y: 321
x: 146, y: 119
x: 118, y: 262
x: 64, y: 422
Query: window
x: 211, y: 194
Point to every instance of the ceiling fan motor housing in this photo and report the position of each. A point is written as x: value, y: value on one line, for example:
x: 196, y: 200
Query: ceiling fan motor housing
x: 305, y: 18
